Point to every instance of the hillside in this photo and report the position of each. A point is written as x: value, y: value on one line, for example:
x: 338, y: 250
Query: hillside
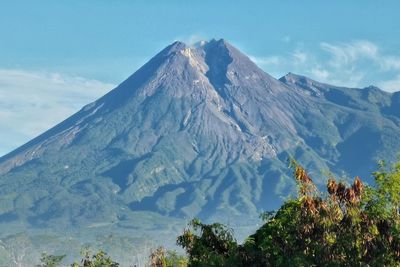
x: 196, y: 132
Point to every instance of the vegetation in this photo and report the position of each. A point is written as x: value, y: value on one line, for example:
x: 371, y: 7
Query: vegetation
x: 352, y: 225
x: 50, y: 260
x: 99, y: 259
x: 349, y: 225
x: 162, y: 258
x: 158, y: 258
x: 212, y: 245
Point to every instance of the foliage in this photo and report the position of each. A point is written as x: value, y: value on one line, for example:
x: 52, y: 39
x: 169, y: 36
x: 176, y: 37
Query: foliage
x: 385, y: 198
x: 350, y: 225
x: 157, y: 258
x: 212, y: 244
x: 162, y: 258
x: 173, y: 259
x: 100, y: 259
x: 50, y: 260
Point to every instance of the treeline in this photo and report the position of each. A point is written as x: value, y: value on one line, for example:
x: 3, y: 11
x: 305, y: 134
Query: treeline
x: 348, y: 225
x: 158, y: 258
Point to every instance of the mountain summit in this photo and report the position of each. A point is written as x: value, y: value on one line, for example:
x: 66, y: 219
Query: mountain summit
x: 197, y: 131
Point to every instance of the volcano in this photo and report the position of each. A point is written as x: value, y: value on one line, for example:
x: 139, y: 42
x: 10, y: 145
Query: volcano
x: 198, y: 131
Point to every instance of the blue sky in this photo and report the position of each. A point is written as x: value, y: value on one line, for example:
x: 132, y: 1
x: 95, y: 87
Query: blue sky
x: 56, y: 56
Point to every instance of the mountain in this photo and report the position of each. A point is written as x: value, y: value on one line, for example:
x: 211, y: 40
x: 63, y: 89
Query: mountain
x: 352, y: 128
x: 197, y: 131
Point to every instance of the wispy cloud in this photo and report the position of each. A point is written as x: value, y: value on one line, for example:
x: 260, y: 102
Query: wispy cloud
x: 272, y: 60
x: 348, y: 53
x: 32, y: 102
x: 390, y: 63
x: 191, y: 39
x: 320, y: 74
x: 357, y: 63
x: 299, y: 57
x: 392, y: 85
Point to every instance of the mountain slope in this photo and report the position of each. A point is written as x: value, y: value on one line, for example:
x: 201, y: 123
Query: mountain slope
x: 361, y: 124
x: 197, y: 131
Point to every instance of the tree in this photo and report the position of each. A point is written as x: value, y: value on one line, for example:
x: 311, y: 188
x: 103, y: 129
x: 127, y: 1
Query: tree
x: 173, y: 259
x: 160, y: 257
x: 157, y: 258
x: 100, y: 259
x: 209, y: 245
x: 50, y: 260
x: 349, y: 225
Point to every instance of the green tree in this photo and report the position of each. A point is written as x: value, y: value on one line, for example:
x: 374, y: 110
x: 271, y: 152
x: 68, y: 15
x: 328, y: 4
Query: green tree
x: 173, y: 259
x: 349, y: 225
x: 209, y: 245
x: 99, y: 259
x: 50, y: 260
x: 385, y: 197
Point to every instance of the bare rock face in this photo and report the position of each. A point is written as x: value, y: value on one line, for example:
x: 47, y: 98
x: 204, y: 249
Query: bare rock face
x: 197, y: 131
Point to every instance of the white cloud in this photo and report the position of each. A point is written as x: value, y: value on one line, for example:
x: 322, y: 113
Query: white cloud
x: 272, y: 60
x: 392, y: 85
x: 348, y: 53
x: 357, y: 63
x: 32, y: 102
x: 296, y: 58
x: 299, y: 57
x: 191, y: 39
x: 320, y: 74
x: 390, y: 63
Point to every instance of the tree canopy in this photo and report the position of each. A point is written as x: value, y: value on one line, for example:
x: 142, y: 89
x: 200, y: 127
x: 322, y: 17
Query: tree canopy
x: 348, y: 225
